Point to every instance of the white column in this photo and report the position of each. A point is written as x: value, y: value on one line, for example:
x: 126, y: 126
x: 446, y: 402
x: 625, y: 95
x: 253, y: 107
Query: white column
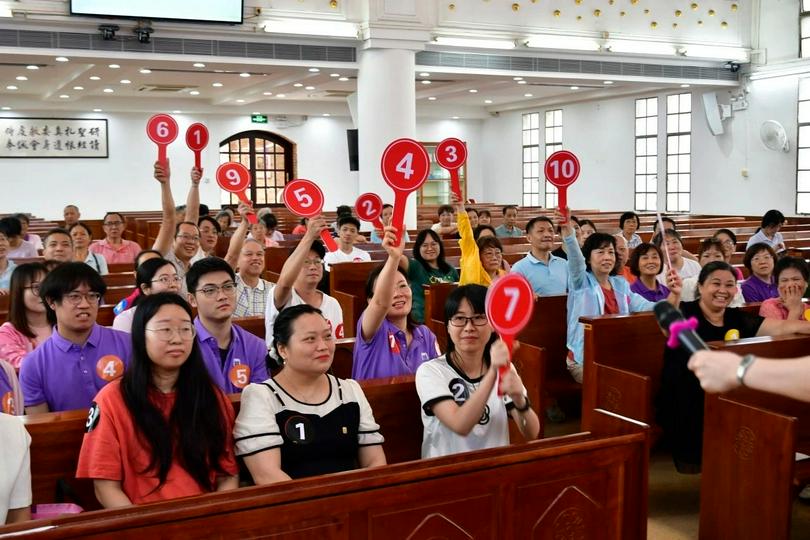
x: 386, y: 110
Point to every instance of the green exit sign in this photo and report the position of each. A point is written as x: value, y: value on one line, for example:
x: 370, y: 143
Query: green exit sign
x: 258, y: 118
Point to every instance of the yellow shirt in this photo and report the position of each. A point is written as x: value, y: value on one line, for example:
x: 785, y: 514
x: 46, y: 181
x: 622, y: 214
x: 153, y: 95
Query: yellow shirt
x: 472, y: 271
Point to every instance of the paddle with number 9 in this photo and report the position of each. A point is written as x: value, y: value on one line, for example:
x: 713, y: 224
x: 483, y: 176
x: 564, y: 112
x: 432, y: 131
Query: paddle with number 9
x: 197, y: 140
x: 562, y: 170
x: 451, y: 154
x: 405, y: 164
x: 234, y: 178
x: 368, y: 207
x: 304, y: 198
x: 162, y: 130
x: 509, y: 305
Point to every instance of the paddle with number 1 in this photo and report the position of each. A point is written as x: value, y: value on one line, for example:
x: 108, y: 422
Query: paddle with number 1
x: 405, y: 164
x: 304, y: 198
x: 197, y: 140
x: 509, y: 305
x: 234, y: 178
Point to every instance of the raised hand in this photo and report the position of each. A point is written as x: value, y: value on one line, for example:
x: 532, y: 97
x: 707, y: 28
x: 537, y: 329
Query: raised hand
x: 389, y: 243
x: 162, y: 172
x: 196, y: 176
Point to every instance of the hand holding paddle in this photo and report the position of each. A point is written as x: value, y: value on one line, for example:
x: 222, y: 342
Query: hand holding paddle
x: 162, y: 130
x: 235, y: 178
x: 304, y: 198
x: 197, y: 140
x: 562, y: 170
x: 368, y: 207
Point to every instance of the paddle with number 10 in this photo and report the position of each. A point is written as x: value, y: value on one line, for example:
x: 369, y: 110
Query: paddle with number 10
x: 562, y: 170
x: 234, y: 178
x: 405, y: 164
x: 509, y: 306
x: 304, y: 198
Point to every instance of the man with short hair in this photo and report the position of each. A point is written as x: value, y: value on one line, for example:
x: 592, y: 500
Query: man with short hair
x: 445, y: 224
x: 622, y: 256
x: 6, y: 266
x: 233, y: 356
x: 71, y: 214
x: 67, y: 370
x: 546, y: 273
x: 348, y: 226
x: 252, y: 291
x: 508, y: 228
x: 114, y: 248
x: 58, y: 246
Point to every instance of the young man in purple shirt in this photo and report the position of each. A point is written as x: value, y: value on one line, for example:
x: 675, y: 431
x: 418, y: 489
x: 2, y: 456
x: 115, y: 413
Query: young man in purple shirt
x: 233, y: 356
x: 80, y: 357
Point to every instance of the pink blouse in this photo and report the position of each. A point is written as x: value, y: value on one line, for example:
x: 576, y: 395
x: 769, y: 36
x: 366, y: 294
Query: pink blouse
x: 14, y: 345
x: 774, y: 308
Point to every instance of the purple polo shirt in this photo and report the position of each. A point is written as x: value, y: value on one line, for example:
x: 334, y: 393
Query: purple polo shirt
x: 245, y: 349
x: 661, y: 292
x: 756, y: 290
x: 65, y: 375
x: 5, y: 392
x: 387, y: 354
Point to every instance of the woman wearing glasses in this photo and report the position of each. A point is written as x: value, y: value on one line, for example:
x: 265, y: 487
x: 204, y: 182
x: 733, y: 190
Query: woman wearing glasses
x: 461, y: 408
x: 145, y: 440
x: 27, y: 324
x: 151, y: 277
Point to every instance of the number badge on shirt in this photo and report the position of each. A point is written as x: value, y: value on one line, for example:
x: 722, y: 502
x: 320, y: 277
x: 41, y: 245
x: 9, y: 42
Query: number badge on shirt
x: 459, y: 391
x: 732, y: 335
x: 239, y: 374
x: 7, y: 403
x: 298, y: 429
x: 339, y: 332
x: 393, y: 344
x: 93, y: 417
x: 109, y: 367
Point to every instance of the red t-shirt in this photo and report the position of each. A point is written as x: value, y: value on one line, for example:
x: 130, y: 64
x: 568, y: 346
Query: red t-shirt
x: 628, y: 275
x: 611, y: 305
x: 112, y: 449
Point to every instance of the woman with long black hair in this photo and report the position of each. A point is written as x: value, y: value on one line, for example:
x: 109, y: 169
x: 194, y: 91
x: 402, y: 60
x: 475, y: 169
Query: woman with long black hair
x: 151, y: 276
x: 146, y: 439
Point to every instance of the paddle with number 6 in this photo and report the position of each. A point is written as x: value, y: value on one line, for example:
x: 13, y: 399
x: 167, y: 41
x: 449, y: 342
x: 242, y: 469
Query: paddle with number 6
x: 304, y: 198
x: 562, y: 170
x: 509, y: 306
x: 451, y: 154
x: 405, y: 164
x: 368, y: 207
x: 234, y: 178
x: 162, y: 130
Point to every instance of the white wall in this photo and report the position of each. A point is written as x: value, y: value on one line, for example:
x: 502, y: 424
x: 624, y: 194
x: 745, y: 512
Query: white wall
x: 124, y: 180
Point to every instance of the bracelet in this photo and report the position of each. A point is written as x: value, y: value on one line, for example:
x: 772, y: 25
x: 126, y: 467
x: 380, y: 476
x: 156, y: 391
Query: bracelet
x: 526, y: 406
x: 742, y: 369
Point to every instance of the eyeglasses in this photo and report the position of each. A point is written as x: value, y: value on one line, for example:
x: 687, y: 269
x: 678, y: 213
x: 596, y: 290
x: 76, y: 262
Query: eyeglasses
x: 461, y: 320
x: 313, y: 262
x: 210, y: 291
x: 167, y: 280
x: 75, y: 298
x: 113, y: 223
x: 188, y: 238
x: 34, y: 289
x: 186, y: 332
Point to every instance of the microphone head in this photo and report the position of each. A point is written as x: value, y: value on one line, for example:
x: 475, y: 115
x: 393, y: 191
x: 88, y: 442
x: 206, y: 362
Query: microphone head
x: 666, y: 314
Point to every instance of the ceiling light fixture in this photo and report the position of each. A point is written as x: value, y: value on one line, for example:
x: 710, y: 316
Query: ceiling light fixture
x: 313, y: 70
x: 334, y: 74
x: 217, y: 85
x: 281, y: 95
x: 32, y: 67
x: 78, y: 87
x: 97, y: 110
x: 326, y: 114
x: 5, y: 108
x: 574, y: 87
x: 298, y: 85
x: 125, y: 81
x: 641, y: 47
x: 424, y: 74
x: 21, y: 78
x: 62, y: 59
x: 108, y: 90
x: 114, y: 66
x: 177, y: 112
x: 563, y: 42
x: 267, y: 93
x: 11, y: 87
x: 95, y: 78
x: 472, y: 91
x: 521, y: 82
x: 64, y: 96
x: 312, y: 27
x: 528, y: 95
x: 432, y: 98
x: 425, y: 82
x: 240, y: 100
x: 198, y: 65
x: 245, y: 75
x: 343, y: 79
x: 146, y: 71
x: 194, y: 93
x: 455, y: 117
x: 474, y: 43
x: 684, y: 86
x: 487, y: 101
x: 517, y: 78
x: 309, y: 88
x: 607, y: 82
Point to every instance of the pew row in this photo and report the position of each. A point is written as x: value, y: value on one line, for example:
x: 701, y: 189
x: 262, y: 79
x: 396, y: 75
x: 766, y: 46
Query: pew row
x: 588, y: 485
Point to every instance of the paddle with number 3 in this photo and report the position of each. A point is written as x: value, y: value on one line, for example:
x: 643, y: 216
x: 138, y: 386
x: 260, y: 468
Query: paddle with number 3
x: 368, y: 207
x: 509, y: 305
x: 562, y: 170
x: 451, y: 154
x: 304, y: 198
x: 405, y: 164
x: 234, y: 178
x: 162, y: 130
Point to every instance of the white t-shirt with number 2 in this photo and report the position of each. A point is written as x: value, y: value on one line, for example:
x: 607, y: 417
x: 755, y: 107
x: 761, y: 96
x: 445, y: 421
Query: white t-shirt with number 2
x: 15, y: 466
x: 436, y: 381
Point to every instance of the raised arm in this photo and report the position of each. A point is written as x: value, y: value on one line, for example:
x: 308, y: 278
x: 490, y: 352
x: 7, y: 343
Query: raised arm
x: 380, y: 303
x: 163, y: 242
x: 193, y: 197
x: 576, y: 261
x: 238, y: 239
x: 294, y: 264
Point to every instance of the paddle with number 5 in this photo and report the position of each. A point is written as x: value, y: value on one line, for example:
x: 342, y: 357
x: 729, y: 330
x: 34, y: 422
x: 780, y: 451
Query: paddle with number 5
x: 405, y: 164
x: 234, y: 178
x: 509, y: 306
x: 304, y: 198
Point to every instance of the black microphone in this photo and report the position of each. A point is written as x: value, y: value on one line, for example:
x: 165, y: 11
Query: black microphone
x: 679, y: 330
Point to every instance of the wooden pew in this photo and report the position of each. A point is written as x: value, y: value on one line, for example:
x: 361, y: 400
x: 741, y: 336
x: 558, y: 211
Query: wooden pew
x: 749, y: 474
x: 120, y: 279
x: 589, y: 485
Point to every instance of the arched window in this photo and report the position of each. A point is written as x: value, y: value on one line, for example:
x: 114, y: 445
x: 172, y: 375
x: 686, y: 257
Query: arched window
x: 270, y: 159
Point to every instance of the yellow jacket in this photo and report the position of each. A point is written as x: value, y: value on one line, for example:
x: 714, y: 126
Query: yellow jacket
x: 472, y: 271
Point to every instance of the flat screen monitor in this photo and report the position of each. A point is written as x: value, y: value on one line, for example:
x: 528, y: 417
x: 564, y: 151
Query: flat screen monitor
x: 203, y: 11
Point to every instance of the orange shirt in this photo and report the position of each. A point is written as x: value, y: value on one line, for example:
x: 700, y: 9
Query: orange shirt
x: 112, y: 449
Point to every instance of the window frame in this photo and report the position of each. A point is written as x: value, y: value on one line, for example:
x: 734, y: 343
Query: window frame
x: 802, y: 143
x: 646, y: 177
x: 679, y: 133
x: 804, y: 38
x: 530, y: 143
x: 252, y: 155
x: 550, y: 190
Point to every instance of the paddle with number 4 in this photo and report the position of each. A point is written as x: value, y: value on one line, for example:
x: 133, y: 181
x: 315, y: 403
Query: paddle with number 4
x: 509, y: 306
x: 304, y: 198
x: 405, y: 164
x: 234, y: 178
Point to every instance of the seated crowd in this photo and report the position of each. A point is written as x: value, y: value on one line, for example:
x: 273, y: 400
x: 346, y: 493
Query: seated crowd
x: 179, y: 349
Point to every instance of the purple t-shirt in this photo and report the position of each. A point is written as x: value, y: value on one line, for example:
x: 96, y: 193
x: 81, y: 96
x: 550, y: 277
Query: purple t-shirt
x: 246, y: 361
x: 6, y: 395
x: 68, y: 376
x: 387, y: 354
x: 756, y: 290
x: 661, y: 292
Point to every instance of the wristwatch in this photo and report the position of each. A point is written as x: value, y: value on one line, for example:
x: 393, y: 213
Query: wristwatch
x: 742, y: 369
x: 526, y: 406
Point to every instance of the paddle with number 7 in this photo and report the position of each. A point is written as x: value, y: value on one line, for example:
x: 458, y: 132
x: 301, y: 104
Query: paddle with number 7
x: 509, y: 306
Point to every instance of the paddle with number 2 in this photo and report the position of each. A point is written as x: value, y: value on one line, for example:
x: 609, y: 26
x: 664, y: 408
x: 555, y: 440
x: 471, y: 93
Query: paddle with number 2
x: 368, y: 207
x: 509, y: 306
x: 451, y: 154
x: 405, y: 164
x: 562, y: 170
x: 234, y: 178
x: 304, y: 198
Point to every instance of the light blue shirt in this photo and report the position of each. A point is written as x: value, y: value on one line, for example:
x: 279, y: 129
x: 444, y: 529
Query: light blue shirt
x: 503, y: 232
x: 377, y: 239
x: 5, y: 276
x: 586, y: 299
x: 545, y: 279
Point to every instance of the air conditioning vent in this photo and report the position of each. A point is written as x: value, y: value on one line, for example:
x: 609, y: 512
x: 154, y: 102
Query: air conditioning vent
x: 172, y: 88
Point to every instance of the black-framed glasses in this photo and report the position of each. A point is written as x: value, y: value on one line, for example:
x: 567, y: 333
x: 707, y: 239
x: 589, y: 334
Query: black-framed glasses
x: 461, y: 321
x: 210, y: 291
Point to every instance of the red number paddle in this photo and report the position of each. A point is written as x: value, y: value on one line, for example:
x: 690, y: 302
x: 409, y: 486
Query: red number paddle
x: 162, y: 130
x: 562, y: 170
x: 451, y: 154
x: 405, y: 164
x: 234, y: 178
x: 368, y: 207
x: 197, y: 140
x: 305, y: 198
